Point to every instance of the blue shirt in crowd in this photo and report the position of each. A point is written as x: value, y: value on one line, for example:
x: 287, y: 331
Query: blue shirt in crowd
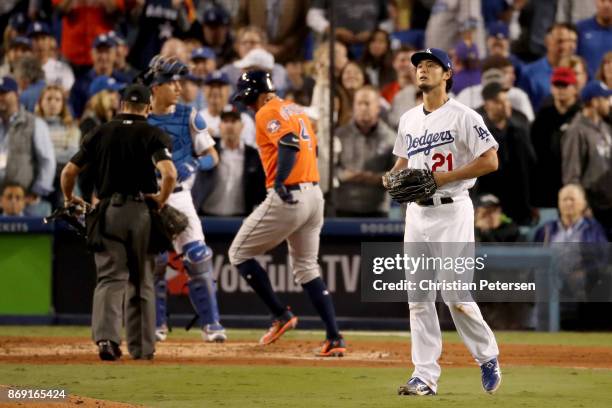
x: 29, y: 96
x: 535, y: 80
x: 594, y: 41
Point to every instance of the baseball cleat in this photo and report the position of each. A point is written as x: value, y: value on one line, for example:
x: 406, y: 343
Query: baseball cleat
x: 108, y: 350
x: 284, y: 323
x: 333, y: 348
x: 161, y: 333
x: 214, y: 333
x: 491, y: 376
x: 415, y: 386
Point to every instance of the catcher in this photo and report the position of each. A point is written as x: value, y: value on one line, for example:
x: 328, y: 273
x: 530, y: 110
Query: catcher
x: 123, y: 154
x: 193, y: 150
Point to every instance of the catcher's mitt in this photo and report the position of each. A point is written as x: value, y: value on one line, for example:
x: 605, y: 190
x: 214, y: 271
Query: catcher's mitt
x: 408, y: 185
x: 173, y: 221
x: 73, y: 215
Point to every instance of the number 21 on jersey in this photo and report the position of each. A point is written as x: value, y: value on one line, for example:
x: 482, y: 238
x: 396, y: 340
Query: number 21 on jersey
x: 442, y: 162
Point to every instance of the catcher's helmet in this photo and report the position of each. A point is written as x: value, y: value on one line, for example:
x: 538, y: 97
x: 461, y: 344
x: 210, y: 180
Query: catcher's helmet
x: 164, y: 69
x: 252, y: 84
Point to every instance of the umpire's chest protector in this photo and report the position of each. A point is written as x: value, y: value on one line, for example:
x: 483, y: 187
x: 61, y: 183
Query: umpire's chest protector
x: 177, y: 126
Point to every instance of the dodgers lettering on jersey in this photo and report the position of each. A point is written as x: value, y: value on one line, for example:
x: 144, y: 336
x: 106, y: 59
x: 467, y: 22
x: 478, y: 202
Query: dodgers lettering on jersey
x: 444, y: 140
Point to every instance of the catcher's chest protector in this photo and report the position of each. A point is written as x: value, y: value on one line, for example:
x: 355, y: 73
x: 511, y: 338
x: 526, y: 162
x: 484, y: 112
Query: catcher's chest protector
x: 177, y: 126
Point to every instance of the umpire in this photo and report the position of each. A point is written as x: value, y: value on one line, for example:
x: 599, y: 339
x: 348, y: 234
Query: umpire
x: 123, y: 155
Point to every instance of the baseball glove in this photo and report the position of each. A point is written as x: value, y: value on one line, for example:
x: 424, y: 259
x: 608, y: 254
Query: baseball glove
x: 409, y: 185
x: 173, y: 221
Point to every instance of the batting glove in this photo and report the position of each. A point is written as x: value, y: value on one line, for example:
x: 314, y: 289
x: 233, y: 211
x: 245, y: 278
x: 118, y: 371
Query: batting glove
x: 285, y: 194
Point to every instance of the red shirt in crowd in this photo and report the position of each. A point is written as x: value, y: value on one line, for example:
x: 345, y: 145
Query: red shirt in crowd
x: 81, y: 24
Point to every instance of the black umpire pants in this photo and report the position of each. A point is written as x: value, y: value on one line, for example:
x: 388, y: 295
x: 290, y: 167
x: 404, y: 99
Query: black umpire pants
x: 125, y: 278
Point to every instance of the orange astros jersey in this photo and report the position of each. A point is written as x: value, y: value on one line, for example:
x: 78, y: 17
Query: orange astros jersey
x: 273, y: 121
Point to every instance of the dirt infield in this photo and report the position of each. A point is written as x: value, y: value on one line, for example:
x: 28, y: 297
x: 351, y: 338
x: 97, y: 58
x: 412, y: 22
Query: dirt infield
x: 71, y: 401
x: 362, y: 353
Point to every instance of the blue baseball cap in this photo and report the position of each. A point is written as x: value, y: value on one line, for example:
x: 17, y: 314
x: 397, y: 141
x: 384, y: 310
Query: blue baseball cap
x: 21, y: 41
x: 19, y: 22
x: 217, y: 77
x: 104, y: 82
x: 203, y: 53
x: 8, y: 84
x: 499, y: 29
x: 104, y: 40
x: 38, y: 28
x: 194, y: 78
x: 434, y: 54
x: 216, y: 16
x: 116, y: 37
x: 595, y: 89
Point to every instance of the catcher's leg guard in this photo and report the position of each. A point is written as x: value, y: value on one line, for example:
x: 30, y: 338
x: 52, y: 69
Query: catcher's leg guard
x: 202, y: 292
x: 161, y: 294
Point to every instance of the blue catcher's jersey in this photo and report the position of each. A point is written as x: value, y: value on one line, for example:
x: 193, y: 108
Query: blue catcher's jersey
x: 177, y: 125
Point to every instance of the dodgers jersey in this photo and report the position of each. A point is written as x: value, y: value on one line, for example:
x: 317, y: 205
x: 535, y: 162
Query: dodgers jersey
x: 446, y: 139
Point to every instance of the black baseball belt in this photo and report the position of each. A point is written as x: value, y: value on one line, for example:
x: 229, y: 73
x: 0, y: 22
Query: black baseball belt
x: 298, y: 186
x: 429, y: 202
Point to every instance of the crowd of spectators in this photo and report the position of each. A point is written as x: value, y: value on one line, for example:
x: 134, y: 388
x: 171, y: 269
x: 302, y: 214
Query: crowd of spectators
x: 538, y: 72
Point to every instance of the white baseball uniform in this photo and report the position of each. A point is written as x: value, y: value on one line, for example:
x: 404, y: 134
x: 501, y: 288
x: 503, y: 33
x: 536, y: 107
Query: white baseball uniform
x: 183, y: 200
x: 445, y: 139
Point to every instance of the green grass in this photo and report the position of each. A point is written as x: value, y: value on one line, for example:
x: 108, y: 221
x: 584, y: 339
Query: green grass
x: 256, y: 386
x: 503, y: 337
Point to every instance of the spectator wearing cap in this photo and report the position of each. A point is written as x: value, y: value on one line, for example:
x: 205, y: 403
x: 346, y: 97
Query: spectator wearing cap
x: 31, y: 80
x: 498, y: 44
x: 17, y: 27
x: 449, y: 19
x: 498, y: 69
x: 122, y: 66
x: 283, y: 21
x: 491, y: 224
x: 159, y: 21
x: 586, y: 149
x: 44, y: 46
x: 546, y: 132
x: 203, y: 61
x: 561, y: 42
x: 82, y: 23
x: 367, y: 145
x: 102, y: 102
x: 250, y: 43
x: 237, y: 184
x: 19, y: 47
x: 217, y: 34
x: 511, y: 183
x: 26, y: 151
x: 595, y: 35
x: 466, y: 67
x: 217, y: 93
x: 65, y: 134
x: 104, y: 55
x: 101, y: 106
